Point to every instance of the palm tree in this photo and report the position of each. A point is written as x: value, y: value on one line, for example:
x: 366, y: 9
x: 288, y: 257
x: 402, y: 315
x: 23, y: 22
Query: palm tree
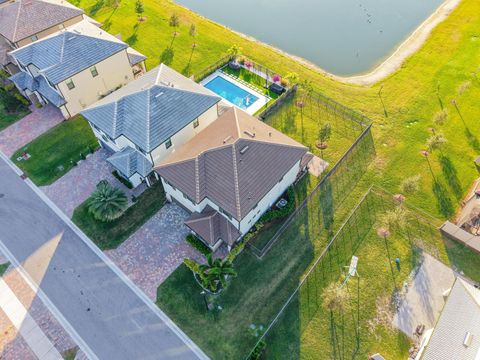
x: 193, y: 34
x: 139, y: 9
x: 107, y: 203
x: 324, y: 135
x: 436, y: 141
x: 233, y: 51
x: 212, y: 274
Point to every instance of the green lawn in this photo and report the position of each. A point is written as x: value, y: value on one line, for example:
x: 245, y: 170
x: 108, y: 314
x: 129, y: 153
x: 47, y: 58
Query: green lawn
x: 52, y: 153
x: 249, y: 77
x: 3, y: 268
x: 446, y: 65
x: 109, y: 235
x: 8, y: 119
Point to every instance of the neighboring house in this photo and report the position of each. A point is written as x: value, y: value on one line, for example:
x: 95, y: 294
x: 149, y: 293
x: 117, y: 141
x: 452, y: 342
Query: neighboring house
x: 230, y: 174
x: 74, y: 68
x: 150, y: 118
x: 456, y: 335
x: 25, y: 21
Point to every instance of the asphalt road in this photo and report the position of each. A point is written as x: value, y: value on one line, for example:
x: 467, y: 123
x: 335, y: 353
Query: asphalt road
x: 103, y: 309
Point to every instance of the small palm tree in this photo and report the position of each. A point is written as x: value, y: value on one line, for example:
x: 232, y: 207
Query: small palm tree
x: 233, y: 51
x: 436, y: 141
x: 212, y: 274
x: 107, y: 203
x: 324, y: 135
x: 174, y: 22
x: 139, y: 9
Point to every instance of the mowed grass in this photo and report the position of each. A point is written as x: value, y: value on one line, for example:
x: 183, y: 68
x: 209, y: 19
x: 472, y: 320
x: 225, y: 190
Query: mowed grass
x: 444, y: 69
x: 109, y: 235
x: 53, y: 153
x: 7, y: 119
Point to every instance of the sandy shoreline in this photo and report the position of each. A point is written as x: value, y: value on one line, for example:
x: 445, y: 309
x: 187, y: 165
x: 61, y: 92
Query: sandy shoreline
x: 387, y: 67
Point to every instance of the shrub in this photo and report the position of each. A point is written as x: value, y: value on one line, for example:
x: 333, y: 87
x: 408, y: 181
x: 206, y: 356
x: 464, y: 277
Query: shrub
x: 120, y: 178
x: 279, y: 213
x: 410, y: 185
x: 198, y: 244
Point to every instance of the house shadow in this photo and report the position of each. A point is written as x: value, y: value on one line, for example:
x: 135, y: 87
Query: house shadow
x: 472, y: 140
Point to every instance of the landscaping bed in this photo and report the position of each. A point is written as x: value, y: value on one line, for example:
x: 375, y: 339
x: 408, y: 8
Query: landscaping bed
x: 58, y: 150
x: 109, y: 235
x: 3, y: 268
x: 13, y: 106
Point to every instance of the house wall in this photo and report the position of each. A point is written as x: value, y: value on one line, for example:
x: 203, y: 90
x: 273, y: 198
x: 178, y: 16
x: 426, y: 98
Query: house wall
x: 88, y: 89
x: 49, y: 31
x: 268, y: 200
x: 135, y: 179
x: 252, y: 217
x: 184, y: 135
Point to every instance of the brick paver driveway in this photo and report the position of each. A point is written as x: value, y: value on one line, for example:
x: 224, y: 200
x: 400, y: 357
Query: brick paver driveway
x: 77, y: 185
x: 150, y: 255
x: 30, y: 127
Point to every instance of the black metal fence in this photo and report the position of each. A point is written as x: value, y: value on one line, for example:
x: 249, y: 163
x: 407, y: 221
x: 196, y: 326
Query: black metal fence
x: 337, y: 184
x: 303, y: 304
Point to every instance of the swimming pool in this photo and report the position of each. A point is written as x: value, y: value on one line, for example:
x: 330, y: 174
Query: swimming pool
x: 231, y: 92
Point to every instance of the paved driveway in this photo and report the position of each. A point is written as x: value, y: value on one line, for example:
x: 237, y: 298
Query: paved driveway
x: 150, y: 255
x: 30, y: 127
x: 76, y: 186
x: 424, y: 299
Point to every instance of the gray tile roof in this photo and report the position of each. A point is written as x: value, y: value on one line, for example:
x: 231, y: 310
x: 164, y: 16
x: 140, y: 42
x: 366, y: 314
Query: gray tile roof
x: 25, y: 81
x: 134, y: 57
x: 460, y: 315
x: 130, y: 161
x: 211, y: 226
x: 148, y: 116
x: 24, y: 18
x: 234, y: 162
x: 63, y: 55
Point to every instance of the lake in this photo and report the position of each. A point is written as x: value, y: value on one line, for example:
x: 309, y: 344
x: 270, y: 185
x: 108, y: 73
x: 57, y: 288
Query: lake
x: 344, y: 37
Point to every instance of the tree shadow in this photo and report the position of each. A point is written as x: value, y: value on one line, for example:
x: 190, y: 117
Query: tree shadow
x: 96, y: 7
x: 167, y: 56
x: 450, y: 174
x: 187, y: 70
x: 445, y: 205
x: 472, y: 140
x: 132, y: 39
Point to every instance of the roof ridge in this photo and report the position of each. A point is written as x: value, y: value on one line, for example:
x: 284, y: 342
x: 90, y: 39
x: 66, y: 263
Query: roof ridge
x: 299, y: 146
x: 16, y: 20
x: 469, y: 291
x: 157, y: 78
x: 115, y: 119
x: 148, y: 118
x: 235, y: 181
x: 197, y: 180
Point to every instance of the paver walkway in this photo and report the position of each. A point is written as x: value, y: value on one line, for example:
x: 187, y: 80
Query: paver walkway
x: 150, y: 255
x: 30, y: 127
x: 424, y: 300
x: 77, y: 185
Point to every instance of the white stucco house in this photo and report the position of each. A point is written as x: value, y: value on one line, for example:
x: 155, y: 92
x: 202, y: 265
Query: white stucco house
x: 74, y: 67
x: 230, y: 174
x: 149, y: 119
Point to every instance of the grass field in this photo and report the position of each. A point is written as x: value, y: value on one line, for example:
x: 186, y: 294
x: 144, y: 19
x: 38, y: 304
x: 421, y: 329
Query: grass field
x: 109, y: 235
x: 444, y: 69
x: 53, y: 153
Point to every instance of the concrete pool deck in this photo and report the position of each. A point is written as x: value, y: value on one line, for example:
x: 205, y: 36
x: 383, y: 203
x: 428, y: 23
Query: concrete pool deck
x: 252, y: 109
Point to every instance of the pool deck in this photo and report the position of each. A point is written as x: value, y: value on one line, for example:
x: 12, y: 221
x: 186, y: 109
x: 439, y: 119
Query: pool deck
x: 257, y: 105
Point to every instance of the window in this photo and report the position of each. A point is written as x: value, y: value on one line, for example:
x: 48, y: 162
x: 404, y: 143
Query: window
x: 93, y: 71
x: 168, y: 143
x: 196, y: 122
x: 70, y: 84
x: 34, y: 38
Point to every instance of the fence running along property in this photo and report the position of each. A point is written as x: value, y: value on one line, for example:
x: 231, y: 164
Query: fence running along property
x: 422, y: 231
x: 337, y: 184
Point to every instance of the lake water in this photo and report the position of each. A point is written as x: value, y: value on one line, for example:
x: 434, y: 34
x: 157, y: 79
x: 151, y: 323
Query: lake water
x: 344, y: 37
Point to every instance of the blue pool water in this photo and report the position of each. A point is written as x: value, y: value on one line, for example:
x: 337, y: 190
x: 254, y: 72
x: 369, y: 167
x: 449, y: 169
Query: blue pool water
x: 231, y: 92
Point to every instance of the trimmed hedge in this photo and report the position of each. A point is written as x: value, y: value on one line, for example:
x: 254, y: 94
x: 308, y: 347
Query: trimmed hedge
x: 120, y: 178
x: 198, y: 244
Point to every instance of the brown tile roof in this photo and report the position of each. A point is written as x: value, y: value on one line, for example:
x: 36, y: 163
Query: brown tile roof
x: 24, y: 18
x: 211, y: 226
x: 234, y: 162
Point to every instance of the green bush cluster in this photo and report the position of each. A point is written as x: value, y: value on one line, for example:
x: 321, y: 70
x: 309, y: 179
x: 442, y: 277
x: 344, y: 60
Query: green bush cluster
x: 198, y: 244
x: 279, y: 213
x: 120, y: 178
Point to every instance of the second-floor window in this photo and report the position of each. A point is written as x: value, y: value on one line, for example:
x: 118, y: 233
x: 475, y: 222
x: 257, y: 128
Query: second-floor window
x: 93, y: 71
x: 34, y: 38
x: 168, y: 143
x: 196, y: 122
x: 70, y: 84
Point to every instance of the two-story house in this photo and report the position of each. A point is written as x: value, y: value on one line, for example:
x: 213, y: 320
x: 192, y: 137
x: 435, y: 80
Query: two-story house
x: 25, y: 21
x: 230, y: 174
x: 149, y: 119
x: 74, y: 68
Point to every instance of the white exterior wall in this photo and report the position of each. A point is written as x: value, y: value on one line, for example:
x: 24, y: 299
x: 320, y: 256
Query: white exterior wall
x: 112, y: 72
x: 269, y: 199
x: 135, y: 179
x: 252, y: 217
x: 184, y: 135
